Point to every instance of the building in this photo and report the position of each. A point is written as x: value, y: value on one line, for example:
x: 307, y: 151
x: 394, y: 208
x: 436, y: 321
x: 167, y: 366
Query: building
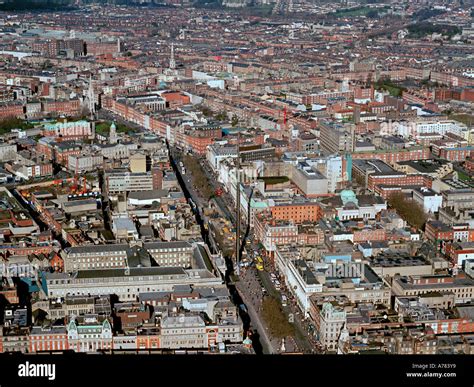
x: 96, y: 257
x: 69, y: 129
x: 348, y: 205
x: 79, y: 164
x: 126, y: 283
x: 414, y: 285
x: 89, y: 335
x: 171, y: 253
x: 272, y: 233
x: 428, y: 199
x: 391, y: 263
x: 118, y: 181
x: 45, y: 339
x: 138, y: 163
x: 336, y: 138
x: 309, y: 181
x: 297, y: 212
x: 183, y: 332
x: 329, y: 319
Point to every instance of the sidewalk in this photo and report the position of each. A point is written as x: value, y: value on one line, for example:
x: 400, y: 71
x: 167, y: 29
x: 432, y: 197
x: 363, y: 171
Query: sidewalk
x: 255, y: 320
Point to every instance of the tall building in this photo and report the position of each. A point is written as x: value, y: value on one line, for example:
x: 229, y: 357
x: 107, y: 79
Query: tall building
x: 336, y: 137
x: 113, y: 134
x: 172, y: 60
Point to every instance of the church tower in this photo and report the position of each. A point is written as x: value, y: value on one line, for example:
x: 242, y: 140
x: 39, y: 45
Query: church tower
x: 172, y: 60
x: 113, y: 134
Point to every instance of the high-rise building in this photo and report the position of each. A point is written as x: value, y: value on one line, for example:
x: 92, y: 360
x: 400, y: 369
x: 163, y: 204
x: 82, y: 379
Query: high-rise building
x: 336, y: 137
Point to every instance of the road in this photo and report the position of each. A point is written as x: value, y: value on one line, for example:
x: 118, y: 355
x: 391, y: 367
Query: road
x: 247, y: 318
x: 304, y: 337
x: 251, y: 290
x: 223, y: 202
x: 245, y: 283
x: 255, y: 319
x: 39, y: 219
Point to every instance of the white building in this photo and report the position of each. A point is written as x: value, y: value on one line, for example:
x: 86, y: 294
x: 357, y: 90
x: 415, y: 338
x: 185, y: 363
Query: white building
x: 84, y: 163
x: 299, y: 278
x: 8, y: 152
x: 415, y: 128
x: 89, y: 336
x: 216, y: 153
x: 429, y: 199
x: 332, y: 320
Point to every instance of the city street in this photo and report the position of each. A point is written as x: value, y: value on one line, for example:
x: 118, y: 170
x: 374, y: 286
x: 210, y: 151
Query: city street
x: 253, y: 285
x: 250, y: 290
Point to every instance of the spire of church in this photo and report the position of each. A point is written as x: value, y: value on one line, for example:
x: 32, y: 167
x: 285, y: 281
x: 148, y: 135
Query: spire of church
x: 172, y: 60
x: 91, y: 97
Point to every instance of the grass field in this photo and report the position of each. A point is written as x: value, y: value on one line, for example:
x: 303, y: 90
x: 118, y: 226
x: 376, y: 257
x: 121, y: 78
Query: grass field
x: 104, y: 128
x: 356, y: 11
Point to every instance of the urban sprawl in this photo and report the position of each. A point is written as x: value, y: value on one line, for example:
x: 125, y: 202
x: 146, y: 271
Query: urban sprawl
x: 235, y: 177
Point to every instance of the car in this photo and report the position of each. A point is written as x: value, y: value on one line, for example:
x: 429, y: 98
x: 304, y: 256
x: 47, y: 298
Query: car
x: 273, y: 276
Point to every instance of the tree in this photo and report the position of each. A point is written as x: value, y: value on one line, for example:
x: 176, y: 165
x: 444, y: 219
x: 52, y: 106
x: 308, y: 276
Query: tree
x: 47, y: 64
x: 206, y: 111
x: 9, y: 123
x: 409, y: 210
x: 222, y: 116
x: 235, y: 120
x: 360, y: 180
x: 275, y: 318
x: 200, y: 179
x: 372, y: 14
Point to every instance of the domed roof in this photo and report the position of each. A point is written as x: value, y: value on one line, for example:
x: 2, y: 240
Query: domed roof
x: 348, y: 195
x: 113, y: 126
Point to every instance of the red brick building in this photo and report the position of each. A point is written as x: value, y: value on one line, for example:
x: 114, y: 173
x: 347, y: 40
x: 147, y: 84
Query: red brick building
x: 399, y: 179
x: 48, y: 339
x: 392, y: 157
x: 10, y: 110
x: 67, y: 108
x: 175, y: 99
x: 199, y: 138
x: 439, y: 231
x: 298, y: 213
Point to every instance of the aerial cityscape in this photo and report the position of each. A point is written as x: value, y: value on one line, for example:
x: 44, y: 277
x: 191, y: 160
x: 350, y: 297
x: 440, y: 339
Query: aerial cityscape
x: 237, y: 177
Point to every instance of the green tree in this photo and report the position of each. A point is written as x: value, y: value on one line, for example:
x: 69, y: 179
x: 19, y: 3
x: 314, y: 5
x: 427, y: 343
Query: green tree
x: 222, y: 116
x: 206, y: 111
x: 235, y: 120
x: 409, y: 210
x: 275, y: 318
